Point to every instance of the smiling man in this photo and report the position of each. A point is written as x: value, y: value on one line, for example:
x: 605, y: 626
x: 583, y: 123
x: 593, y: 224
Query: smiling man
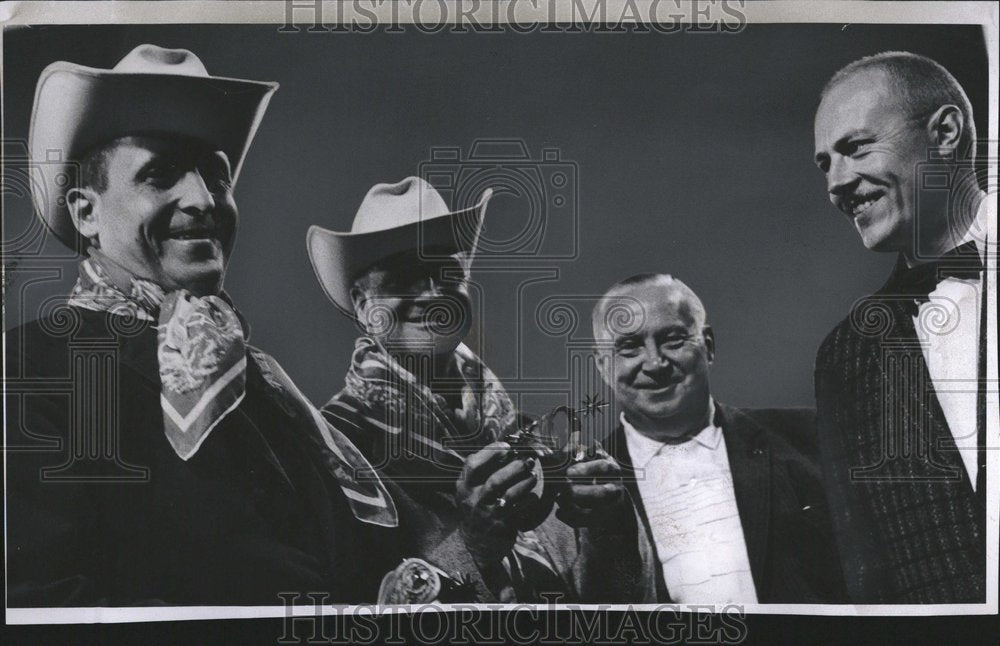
x: 159, y: 458
x: 161, y: 207
x: 435, y: 421
x: 900, y: 408
x: 901, y: 416
x: 731, y: 499
x: 419, y: 403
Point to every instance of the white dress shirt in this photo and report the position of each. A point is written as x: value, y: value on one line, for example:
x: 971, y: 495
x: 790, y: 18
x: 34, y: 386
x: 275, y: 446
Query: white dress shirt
x: 687, y: 492
x: 948, y: 327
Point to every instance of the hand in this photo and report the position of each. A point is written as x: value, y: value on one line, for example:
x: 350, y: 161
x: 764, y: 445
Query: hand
x: 595, y: 494
x: 492, y: 482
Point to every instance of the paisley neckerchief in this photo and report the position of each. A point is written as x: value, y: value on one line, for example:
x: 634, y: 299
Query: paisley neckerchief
x: 436, y: 436
x: 429, y: 441
x: 201, y: 349
x: 202, y: 356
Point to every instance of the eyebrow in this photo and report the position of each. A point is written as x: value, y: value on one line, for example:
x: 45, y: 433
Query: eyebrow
x: 155, y: 157
x: 673, y: 330
x: 839, y: 144
x: 619, y: 340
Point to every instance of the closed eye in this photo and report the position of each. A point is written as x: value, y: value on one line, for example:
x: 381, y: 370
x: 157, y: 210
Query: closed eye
x: 161, y: 170
x: 627, y: 347
x: 853, y: 147
x: 214, y: 170
x: 219, y: 184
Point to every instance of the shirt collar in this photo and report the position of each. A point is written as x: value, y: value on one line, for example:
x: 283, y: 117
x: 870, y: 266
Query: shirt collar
x: 642, y: 449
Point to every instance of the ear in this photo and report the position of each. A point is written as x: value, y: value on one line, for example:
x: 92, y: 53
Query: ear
x: 82, y: 203
x: 945, y: 128
x: 360, y: 301
x: 709, y: 336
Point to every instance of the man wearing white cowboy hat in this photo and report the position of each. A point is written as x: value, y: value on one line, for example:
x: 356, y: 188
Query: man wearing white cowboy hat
x: 433, y: 418
x: 184, y: 466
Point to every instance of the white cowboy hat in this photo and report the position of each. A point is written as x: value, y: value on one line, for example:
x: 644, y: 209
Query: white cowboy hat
x: 393, y: 218
x: 151, y: 91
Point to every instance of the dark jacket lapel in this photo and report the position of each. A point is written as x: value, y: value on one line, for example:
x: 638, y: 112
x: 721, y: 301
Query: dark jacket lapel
x: 617, y: 447
x: 750, y: 466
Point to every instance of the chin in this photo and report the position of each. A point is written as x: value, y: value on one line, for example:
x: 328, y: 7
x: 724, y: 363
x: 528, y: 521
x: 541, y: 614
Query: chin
x: 202, y: 284
x: 879, y: 241
x: 885, y: 234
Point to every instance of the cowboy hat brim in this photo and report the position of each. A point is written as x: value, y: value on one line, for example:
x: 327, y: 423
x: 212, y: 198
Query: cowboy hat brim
x: 79, y: 107
x: 339, y: 258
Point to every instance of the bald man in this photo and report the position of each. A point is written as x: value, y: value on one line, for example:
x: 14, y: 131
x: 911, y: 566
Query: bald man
x: 731, y: 500
x: 900, y: 396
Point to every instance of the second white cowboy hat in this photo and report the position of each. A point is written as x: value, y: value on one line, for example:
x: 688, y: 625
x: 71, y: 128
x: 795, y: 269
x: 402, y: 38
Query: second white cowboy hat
x: 393, y: 218
x: 152, y: 90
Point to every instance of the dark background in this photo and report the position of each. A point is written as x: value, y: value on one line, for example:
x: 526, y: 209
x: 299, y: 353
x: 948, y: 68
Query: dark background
x: 692, y: 154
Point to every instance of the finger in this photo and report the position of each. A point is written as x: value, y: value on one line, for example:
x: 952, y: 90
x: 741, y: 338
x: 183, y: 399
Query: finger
x: 592, y: 468
x: 590, y: 496
x: 600, y: 452
x: 484, y: 461
x: 520, y: 489
x: 575, y: 452
x: 505, y: 477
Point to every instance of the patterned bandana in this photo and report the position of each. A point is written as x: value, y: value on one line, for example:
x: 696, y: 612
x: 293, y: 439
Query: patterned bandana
x: 203, y: 364
x: 95, y: 290
x: 432, y: 440
x: 201, y: 349
x: 436, y: 435
x: 202, y: 355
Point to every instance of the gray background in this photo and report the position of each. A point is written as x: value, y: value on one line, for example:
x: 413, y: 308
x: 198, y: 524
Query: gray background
x: 692, y: 155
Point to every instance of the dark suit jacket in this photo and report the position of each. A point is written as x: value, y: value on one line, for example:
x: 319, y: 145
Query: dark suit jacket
x: 779, y: 493
x: 252, y: 514
x: 910, y: 527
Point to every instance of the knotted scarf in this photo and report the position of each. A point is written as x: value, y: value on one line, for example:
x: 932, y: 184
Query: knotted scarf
x: 437, y: 438
x: 426, y: 439
x: 202, y: 356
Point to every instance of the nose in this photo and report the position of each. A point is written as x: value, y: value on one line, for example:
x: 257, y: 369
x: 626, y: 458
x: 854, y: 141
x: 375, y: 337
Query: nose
x: 653, y: 360
x: 195, y: 198
x: 839, y: 178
